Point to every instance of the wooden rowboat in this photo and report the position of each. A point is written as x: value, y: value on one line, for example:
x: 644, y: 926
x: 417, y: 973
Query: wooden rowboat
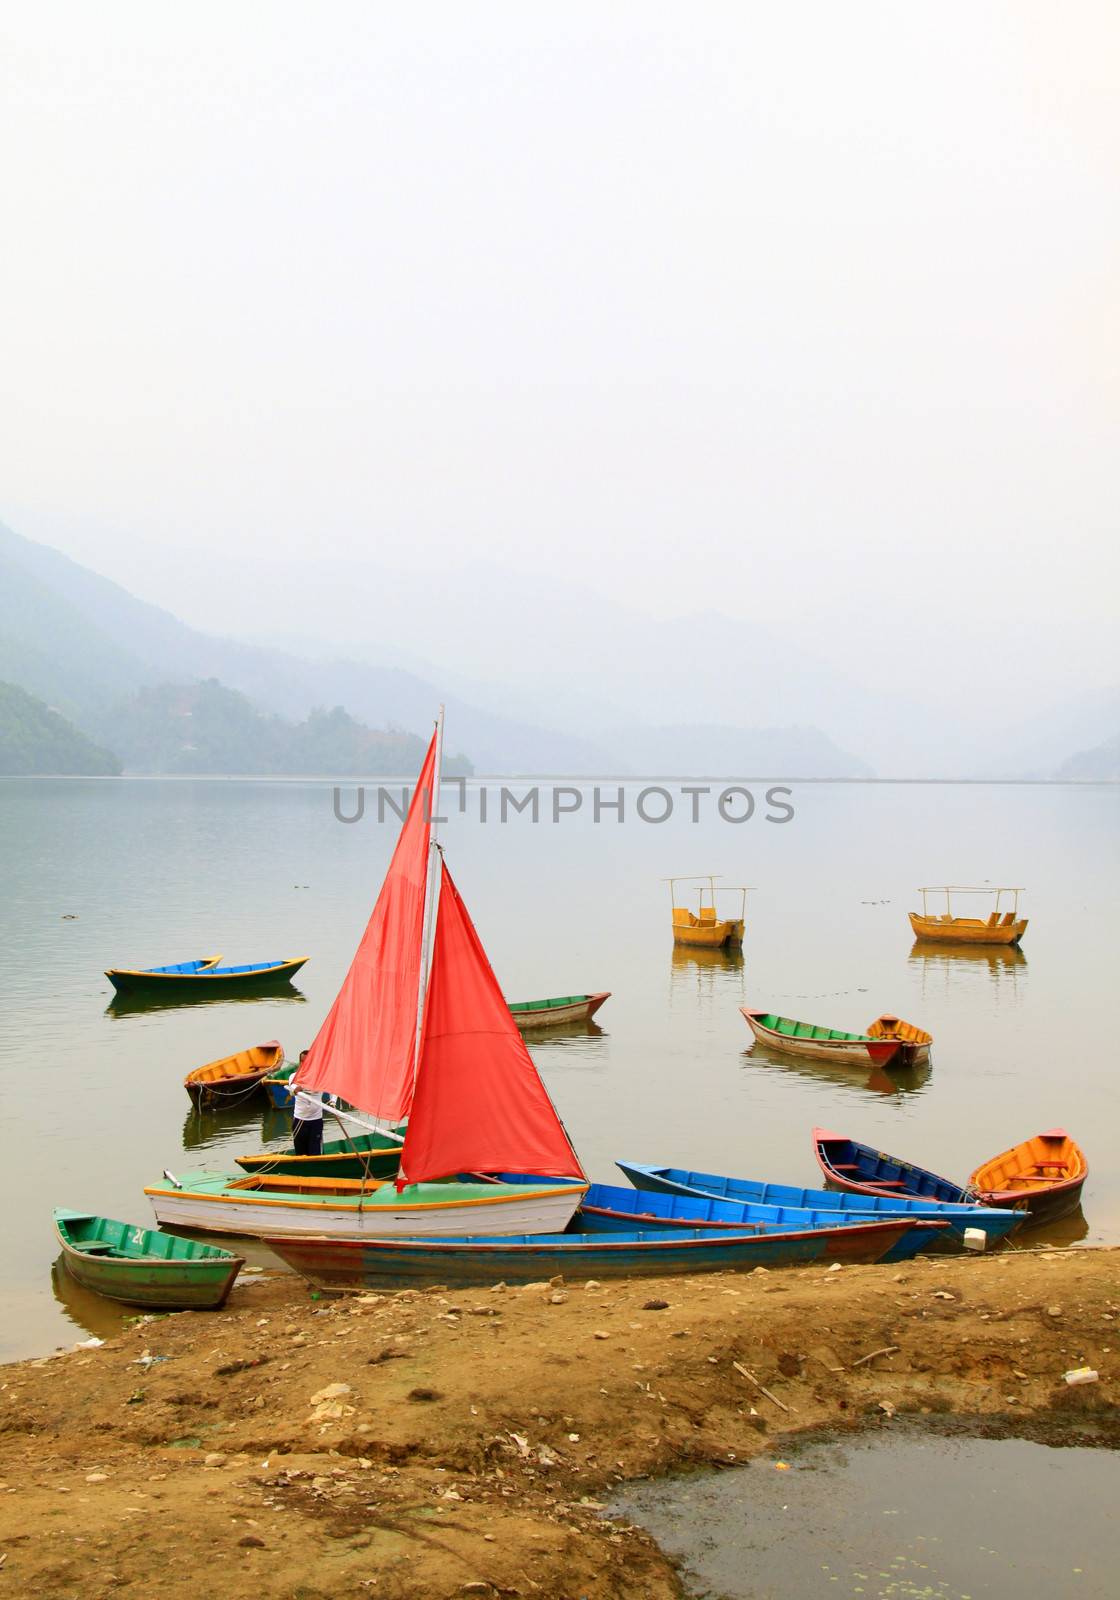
x: 366, y: 1155
x: 826, y: 1044
x: 205, y: 976
x: 1046, y: 1173
x: 610, y: 1208
x: 352, y: 1208
x: 861, y: 1169
x: 551, y: 1013
x: 661, y: 1184
x: 144, y: 1268
x: 999, y: 927
x: 235, y: 1077
x: 373, y: 1263
x: 914, y: 1043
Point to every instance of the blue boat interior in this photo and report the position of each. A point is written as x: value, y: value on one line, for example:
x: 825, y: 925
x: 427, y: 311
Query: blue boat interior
x: 185, y: 968
x: 737, y: 1190
x: 674, y: 1208
x: 859, y: 1163
x: 254, y: 966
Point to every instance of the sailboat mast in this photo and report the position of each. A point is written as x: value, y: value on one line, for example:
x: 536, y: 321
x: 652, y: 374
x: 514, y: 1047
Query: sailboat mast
x: 430, y: 881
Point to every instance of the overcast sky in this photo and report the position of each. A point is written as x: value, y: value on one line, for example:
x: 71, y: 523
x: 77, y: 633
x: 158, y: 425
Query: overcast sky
x: 798, y: 310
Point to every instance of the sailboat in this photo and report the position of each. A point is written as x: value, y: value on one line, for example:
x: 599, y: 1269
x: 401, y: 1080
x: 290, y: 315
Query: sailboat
x: 419, y: 1034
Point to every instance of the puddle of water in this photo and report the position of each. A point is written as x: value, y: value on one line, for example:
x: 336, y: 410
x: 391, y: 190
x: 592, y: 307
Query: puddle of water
x: 897, y: 1517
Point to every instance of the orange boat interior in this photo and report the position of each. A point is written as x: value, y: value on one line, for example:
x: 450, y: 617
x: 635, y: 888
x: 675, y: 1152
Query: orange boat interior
x: 888, y: 1027
x: 259, y: 1058
x: 1048, y: 1159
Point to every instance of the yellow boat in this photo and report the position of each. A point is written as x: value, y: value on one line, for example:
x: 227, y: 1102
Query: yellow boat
x: 999, y: 927
x: 702, y: 927
x: 233, y: 1078
x: 915, y: 1042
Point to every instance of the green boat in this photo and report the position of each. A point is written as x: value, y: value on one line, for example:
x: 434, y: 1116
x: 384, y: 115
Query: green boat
x: 365, y: 1155
x: 565, y: 1008
x: 825, y: 1044
x: 142, y: 1267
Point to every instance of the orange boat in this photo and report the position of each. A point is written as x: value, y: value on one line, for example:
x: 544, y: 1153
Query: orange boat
x: 1045, y: 1174
x: 999, y: 927
x: 914, y: 1043
x: 234, y: 1078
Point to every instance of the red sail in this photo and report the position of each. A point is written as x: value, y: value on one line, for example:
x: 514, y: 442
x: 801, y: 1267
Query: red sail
x: 479, y: 1104
x: 366, y: 1048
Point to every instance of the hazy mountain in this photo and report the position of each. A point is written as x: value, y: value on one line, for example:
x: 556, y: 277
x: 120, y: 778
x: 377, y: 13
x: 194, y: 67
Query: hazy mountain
x: 84, y: 642
x: 735, y: 752
x: 205, y: 727
x: 556, y: 707
x: 1034, y: 747
x: 588, y: 663
x: 35, y: 739
x: 1100, y: 764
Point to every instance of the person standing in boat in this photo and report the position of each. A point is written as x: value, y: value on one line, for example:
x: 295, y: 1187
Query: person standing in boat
x: 307, y: 1121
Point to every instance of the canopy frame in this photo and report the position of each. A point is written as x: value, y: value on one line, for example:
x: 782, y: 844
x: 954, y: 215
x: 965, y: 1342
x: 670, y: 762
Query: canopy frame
x: 950, y: 889
x: 712, y: 890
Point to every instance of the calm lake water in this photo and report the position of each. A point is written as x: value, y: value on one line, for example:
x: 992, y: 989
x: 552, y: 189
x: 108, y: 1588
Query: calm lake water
x: 895, y: 1516
x: 153, y: 871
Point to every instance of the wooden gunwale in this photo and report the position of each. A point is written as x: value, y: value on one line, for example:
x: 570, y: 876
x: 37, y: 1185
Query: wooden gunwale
x: 855, y: 1048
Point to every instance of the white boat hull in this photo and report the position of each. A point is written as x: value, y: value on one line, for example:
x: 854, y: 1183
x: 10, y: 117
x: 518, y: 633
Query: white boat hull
x: 548, y: 1210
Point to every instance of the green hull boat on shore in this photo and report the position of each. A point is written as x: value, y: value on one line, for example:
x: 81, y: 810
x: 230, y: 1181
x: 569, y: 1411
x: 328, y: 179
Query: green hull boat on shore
x: 143, y: 1267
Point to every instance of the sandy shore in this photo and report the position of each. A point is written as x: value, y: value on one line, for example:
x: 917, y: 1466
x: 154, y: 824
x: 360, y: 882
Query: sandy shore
x: 481, y: 1431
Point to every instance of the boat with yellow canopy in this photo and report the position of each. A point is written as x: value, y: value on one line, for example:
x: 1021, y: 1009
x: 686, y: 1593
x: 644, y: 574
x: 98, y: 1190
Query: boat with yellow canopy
x: 1001, y: 926
x: 704, y: 928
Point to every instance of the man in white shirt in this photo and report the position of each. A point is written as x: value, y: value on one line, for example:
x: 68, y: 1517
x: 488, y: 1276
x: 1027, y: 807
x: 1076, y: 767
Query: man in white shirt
x: 307, y: 1121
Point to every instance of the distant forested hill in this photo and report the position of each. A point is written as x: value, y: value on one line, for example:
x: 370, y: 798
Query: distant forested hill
x: 35, y: 739
x: 1101, y: 764
x: 83, y: 643
x: 207, y: 728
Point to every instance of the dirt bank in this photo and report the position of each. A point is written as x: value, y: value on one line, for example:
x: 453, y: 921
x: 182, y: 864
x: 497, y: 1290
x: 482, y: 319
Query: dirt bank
x: 481, y: 1430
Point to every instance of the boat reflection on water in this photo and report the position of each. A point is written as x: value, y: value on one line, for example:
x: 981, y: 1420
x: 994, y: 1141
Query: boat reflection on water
x: 206, y: 1130
x: 871, y: 1079
x: 998, y: 964
x: 136, y: 1004
x: 573, y: 1046
x: 90, y: 1313
x: 692, y: 958
x: 1070, y: 1229
x: 277, y: 1124
x: 695, y: 973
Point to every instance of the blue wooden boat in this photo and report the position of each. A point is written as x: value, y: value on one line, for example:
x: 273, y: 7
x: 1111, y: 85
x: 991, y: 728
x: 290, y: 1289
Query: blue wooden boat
x: 711, y: 1185
x: 341, y: 1264
x: 860, y: 1169
x: 611, y: 1208
x: 204, y: 975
